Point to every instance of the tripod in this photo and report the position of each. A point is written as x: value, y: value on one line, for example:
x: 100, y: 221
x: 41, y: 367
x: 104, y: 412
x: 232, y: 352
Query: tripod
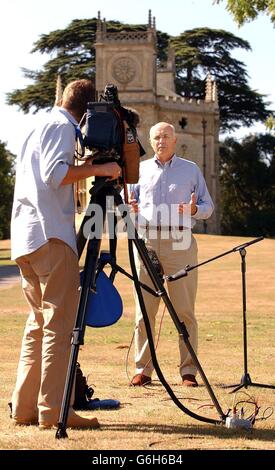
x: 245, y: 380
x: 99, y: 193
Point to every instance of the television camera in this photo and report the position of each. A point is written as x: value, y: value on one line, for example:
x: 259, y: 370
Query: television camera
x: 110, y: 134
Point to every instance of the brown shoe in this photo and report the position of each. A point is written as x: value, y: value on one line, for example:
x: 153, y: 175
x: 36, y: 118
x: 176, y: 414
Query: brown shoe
x: 189, y: 380
x: 139, y: 380
x: 74, y: 421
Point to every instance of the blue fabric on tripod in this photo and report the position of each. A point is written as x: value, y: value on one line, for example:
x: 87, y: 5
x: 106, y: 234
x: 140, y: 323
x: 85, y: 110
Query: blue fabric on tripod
x: 105, y: 306
x: 109, y: 404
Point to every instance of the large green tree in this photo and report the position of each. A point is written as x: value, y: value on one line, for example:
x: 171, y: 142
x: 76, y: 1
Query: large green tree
x: 6, y: 185
x: 246, y: 10
x: 248, y: 186
x: 203, y: 49
x: 197, y: 52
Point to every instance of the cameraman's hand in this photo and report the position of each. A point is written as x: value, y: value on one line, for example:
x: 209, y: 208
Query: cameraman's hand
x: 133, y: 202
x: 112, y: 170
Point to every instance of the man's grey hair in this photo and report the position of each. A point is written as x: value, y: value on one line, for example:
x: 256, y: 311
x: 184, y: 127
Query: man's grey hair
x: 167, y: 124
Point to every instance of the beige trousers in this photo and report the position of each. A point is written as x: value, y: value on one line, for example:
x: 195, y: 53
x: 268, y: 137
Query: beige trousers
x: 182, y: 294
x: 50, y: 281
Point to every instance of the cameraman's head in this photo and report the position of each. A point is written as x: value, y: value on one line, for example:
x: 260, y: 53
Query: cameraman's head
x: 76, y: 96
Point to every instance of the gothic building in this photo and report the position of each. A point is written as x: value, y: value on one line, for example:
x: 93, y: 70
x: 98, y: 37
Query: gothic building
x: 129, y: 61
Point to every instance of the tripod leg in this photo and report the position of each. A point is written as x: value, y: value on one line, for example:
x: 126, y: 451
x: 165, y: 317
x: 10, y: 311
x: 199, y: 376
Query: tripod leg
x: 247, y: 382
x: 230, y: 386
x: 90, y: 267
x: 238, y: 388
x: 254, y: 384
x: 78, y: 332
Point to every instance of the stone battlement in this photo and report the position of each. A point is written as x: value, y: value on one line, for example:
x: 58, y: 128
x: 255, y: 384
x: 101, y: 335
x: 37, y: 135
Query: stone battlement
x: 125, y: 36
x: 189, y: 103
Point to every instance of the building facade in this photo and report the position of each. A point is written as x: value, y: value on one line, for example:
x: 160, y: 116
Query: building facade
x: 129, y: 61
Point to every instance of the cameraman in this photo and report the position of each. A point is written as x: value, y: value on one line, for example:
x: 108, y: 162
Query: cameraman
x: 43, y: 244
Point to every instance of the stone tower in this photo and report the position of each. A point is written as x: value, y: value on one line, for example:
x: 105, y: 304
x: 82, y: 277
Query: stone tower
x: 129, y: 61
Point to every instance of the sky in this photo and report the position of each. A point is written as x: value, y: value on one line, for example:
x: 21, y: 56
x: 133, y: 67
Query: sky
x: 23, y: 21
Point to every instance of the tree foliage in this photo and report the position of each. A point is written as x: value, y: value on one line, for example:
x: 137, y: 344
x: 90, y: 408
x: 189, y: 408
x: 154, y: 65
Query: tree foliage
x: 247, y: 10
x: 6, y: 185
x: 248, y: 186
x: 197, y: 52
x: 203, y: 49
x: 73, y: 57
x: 270, y: 123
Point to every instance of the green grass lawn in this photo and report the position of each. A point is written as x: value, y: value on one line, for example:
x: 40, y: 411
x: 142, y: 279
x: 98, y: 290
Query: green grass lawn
x: 147, y: 418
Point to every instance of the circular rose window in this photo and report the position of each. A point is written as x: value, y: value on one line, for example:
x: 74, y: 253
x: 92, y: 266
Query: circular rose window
x: 124, y: 70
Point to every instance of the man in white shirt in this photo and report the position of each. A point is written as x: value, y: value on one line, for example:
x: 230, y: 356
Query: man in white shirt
x: 170, y: 196
x: 43, y: 244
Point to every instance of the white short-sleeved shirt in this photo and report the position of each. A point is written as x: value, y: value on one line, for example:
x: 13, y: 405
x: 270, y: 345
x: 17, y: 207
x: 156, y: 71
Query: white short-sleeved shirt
x: 42, y: 209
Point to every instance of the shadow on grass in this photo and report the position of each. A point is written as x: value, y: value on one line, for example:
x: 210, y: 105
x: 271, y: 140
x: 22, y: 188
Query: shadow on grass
x: 193, y: 431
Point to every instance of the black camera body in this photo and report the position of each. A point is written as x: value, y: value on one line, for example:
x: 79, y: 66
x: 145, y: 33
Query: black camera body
x: 102, y: 131
x: 110, y: 133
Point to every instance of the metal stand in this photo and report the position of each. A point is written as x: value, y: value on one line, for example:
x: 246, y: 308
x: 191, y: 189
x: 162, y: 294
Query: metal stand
x: 245, y: 380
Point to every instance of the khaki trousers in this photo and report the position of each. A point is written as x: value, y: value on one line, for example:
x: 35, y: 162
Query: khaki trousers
x: 182, y: 294
x: 50, y: 281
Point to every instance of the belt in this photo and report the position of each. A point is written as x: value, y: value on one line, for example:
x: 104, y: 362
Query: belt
x: 165, y: 228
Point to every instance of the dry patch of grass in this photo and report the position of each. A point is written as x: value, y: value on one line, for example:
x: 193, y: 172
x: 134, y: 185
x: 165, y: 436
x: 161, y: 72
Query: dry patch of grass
x: 147, y: 419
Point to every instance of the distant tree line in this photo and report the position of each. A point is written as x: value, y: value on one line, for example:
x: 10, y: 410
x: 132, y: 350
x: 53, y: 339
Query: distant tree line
x: 247, y: 176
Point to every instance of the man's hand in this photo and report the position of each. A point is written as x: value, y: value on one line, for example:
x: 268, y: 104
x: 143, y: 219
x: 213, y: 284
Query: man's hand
x: 184, y: 208
x: 111, y: 170
x: 133, y: 202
